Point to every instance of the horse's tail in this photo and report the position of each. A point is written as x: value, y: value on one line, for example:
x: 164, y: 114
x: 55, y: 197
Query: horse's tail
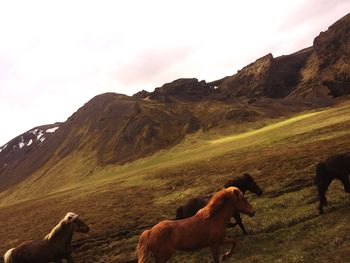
x: 144, y: 254
x: 8, y: 257
x: 321, y: 172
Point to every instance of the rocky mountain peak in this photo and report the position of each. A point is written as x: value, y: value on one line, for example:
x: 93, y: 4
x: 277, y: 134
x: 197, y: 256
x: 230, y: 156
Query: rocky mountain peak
x: 188, y: 89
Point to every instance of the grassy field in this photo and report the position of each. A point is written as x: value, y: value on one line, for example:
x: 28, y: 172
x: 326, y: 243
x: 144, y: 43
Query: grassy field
x: 119, y: 202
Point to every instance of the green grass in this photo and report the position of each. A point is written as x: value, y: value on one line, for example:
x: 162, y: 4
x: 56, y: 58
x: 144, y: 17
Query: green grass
x: 281, y: 156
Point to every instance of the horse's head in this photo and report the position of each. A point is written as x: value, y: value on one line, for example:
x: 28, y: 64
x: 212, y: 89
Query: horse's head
x: 66, y: 226
x: 240, y: 202
x: 77, y: 224
x: 251, y: 185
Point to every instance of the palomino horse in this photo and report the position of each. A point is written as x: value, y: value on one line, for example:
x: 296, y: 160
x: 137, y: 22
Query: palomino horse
x: 207, y: 228
x: 244, y: 183
x: 334, y: 167
x: 53, y: 248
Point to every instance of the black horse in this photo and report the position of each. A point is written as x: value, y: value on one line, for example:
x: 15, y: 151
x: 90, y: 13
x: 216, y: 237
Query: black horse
x: 244, y: 183
x: 334, y: 167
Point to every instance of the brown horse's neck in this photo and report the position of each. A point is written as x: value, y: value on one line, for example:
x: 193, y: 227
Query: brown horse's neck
x: 225, y: 213
x: 61, y: 237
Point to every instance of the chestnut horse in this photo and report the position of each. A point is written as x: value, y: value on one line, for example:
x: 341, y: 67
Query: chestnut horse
x: 244, y: 183
x: 207, y: 228
x: 334, y: 167
x: 53, y: 248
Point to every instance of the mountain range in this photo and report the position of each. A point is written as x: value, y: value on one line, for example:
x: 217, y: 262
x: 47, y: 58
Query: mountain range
x: 115, y: 129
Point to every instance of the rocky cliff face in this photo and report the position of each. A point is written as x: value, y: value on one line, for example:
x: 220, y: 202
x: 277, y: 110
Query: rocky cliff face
x: 183, y: 89
x: 267, y: 77
x: 327, y: 71
x: 318, y: 71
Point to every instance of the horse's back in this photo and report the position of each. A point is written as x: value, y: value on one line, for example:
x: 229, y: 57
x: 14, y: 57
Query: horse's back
x: 193, y: 206
x: 338, y: 164
x: 32, y: 251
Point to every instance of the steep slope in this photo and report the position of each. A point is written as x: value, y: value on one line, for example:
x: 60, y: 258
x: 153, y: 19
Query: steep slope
x: 110, y: 128
x: 280, y: 156
x: 117, y: 129
x: 26, y: 153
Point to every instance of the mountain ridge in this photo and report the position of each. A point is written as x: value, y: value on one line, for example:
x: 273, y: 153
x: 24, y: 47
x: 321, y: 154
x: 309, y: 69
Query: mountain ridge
x: 114, y: 129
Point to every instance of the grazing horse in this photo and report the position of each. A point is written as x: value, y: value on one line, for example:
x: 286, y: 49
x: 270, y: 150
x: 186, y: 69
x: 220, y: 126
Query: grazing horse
x: 334, y: 167
x: 244, y: 183
x: 53, y: 248
x: 207, y: 228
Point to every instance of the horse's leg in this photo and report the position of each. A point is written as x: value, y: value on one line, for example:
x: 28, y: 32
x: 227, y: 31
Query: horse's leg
x: 322, y: 188
x: 323, y: 179
x: 344, y: 178
x: 215, y: 251
x: 237, y: 217
x: 229, y: 253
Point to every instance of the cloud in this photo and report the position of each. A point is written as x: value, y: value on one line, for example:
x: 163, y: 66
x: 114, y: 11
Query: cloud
x: 55, y: 53
x: 315, y: 12
x: 151, y: 66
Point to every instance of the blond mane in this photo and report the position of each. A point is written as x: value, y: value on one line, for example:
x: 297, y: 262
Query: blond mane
x: 60, y: 226
x: 216, y: 202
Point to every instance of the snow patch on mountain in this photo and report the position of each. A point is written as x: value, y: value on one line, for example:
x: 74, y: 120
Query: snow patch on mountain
x: 52, y: 130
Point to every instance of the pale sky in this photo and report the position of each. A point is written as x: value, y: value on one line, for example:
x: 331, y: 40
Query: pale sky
x: 57, y: 55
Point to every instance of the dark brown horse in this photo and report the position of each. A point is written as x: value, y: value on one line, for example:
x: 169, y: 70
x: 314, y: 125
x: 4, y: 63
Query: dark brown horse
x: 53, y: 248
x: 334, y: 167
x: 244, y: 183
x: 207, y: 228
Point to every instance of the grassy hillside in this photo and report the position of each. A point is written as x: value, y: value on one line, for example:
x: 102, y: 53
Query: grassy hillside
x: 119, y: 202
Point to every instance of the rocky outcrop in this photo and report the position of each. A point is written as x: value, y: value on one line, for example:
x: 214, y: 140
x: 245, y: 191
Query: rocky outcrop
x: 183, y: 89
x: 266, y: 77
x: 327, y: 71
x: 143, y: 94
